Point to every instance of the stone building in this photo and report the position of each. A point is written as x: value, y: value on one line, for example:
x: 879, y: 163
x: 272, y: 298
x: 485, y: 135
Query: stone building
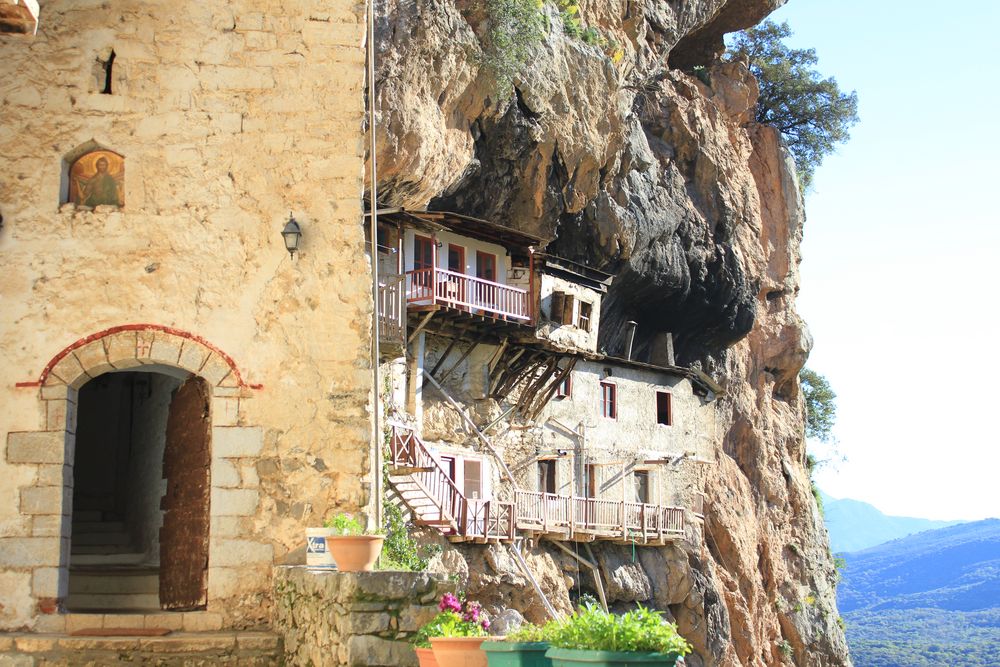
x: 153, y: 152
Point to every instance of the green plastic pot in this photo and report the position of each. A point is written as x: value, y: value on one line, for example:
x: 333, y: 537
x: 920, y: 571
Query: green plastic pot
x: 566, y: 657
x: 516, y: 654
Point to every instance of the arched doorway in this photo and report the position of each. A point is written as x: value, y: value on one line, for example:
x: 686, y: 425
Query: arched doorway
x: 141, y: 484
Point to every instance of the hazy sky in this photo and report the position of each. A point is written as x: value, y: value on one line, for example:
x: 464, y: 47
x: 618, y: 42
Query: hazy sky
x: 899, y: 269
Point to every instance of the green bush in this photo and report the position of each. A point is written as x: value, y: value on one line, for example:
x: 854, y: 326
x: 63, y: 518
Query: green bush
x: 400, y: 551
x: 594, y: 629
x: 528, y: 632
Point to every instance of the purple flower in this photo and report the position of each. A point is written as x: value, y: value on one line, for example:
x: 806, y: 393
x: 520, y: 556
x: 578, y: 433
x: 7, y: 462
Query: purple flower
x: 485, y: 624
x: 450, y: 603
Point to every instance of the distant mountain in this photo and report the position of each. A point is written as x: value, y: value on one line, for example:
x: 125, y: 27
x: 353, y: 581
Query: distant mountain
x: 854, y: 525
x: 925, y: 600
x: 955, y: 568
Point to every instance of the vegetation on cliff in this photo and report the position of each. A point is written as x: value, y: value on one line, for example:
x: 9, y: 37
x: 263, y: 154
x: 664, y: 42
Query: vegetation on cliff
x: 811, y: 112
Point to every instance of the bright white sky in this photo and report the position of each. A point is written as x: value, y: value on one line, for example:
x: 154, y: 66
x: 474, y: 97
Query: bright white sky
x: 900, y: 257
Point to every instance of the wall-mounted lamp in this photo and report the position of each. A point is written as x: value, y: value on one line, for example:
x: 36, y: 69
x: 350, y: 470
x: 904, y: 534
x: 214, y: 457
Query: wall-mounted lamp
x: 291, y: 233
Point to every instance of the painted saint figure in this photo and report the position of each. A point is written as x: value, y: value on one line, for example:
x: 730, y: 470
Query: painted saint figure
x: 103, y: 185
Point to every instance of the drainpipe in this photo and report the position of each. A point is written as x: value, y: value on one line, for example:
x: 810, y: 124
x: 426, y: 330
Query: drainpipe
x: 376, y: 446
x: 630, y: 338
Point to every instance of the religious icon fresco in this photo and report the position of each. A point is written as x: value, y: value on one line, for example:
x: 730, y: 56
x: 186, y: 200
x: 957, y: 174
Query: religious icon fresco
x: 98, y: 178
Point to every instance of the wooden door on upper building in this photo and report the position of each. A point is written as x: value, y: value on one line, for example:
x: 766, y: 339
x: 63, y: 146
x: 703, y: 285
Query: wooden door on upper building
x: 184, y: 535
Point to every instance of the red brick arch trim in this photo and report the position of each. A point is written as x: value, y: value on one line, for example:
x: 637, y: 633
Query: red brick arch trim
x: 234, y: 372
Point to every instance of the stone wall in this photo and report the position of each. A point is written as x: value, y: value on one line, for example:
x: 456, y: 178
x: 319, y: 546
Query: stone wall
x: 229, y: 116
x: 353, y: 618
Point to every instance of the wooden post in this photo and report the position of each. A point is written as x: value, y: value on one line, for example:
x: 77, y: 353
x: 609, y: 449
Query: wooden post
x: 531, y: 284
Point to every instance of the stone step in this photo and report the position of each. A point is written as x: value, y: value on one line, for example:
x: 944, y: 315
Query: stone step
x: 125, y: 558
x: 101, y: 548
x: 113, y: 601
x: 116, y: 583
x: 98, y: 526
x: 99, y: 538
x: 246, y: 649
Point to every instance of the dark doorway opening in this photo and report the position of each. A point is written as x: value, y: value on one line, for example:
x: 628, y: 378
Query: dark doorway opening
x: 139, y: 435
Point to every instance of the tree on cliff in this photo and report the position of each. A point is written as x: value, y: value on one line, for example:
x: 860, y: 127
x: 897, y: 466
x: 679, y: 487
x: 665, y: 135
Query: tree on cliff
x: 821, y: 410
x: 811, y: 112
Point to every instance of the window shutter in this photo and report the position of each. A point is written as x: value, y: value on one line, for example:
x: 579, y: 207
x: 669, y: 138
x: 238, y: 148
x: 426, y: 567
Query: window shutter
x: 568, y: 302
x: 556, y: 308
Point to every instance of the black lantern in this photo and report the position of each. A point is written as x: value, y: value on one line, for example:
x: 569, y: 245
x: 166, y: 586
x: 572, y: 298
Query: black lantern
x: 291, y: 233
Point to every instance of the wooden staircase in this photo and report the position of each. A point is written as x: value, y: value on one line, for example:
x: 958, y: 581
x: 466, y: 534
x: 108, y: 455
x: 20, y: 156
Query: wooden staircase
x: 422, y: 484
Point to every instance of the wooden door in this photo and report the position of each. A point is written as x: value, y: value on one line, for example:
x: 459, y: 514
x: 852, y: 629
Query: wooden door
x: 184, y: 535
x: 456, y: 264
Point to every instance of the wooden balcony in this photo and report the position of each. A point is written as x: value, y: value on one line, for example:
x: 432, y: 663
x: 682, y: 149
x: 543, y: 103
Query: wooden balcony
x: 588, y: 519
x: 458, y: 291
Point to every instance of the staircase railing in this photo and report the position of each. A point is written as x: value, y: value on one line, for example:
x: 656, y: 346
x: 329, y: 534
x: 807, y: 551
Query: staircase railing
x: 467, y: 518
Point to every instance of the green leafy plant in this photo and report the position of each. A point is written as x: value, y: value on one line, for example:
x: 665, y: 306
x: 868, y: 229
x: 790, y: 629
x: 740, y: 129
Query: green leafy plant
x: 785, y: 648
x: 639, y: 630
x: 514, y: 27
x: 400, y: 551
x: 456, y: 618
x: 821, y: 406
x: 346, y: 525
x: 528, y: 633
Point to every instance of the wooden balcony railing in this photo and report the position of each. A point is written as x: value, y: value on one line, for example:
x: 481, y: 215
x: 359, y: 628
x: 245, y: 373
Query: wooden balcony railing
x: 457, y: 290
x: 550, y: 512
x: 391, y: 310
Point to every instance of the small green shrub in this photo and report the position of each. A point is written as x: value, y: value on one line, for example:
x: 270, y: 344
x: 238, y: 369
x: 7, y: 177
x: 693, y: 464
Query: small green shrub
x: 345, y: 524
x: 528, y: 632
x: 400, y: 551
x: 785, y: 648
x: 638, y: 630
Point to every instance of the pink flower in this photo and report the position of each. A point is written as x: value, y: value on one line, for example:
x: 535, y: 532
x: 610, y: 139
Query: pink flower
x: 450, y: 603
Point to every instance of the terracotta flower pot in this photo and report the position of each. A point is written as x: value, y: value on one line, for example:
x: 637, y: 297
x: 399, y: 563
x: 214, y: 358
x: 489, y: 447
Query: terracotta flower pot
x: 459, y: 651
x: 355, y: 553
x: 425, y: 657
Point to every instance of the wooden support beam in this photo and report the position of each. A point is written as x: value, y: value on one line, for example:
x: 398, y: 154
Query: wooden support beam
x: 420, y: 327
x: 472, y: 347
x: 444, y: 356
x: 551, y: 390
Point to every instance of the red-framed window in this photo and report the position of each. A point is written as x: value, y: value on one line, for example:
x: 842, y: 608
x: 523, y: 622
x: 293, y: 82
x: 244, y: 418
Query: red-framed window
x: 486, y: 266
x: 609, y: 400
x: 664, y: 408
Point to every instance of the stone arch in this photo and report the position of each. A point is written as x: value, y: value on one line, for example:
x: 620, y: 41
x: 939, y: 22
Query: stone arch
x: 132, y: 345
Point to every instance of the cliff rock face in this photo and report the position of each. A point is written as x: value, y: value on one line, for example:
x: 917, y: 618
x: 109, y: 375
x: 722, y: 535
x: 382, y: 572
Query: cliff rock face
x: 640, y: 157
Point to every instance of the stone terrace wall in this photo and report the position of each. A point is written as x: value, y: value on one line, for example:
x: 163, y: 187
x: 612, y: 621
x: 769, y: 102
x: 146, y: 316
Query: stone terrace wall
x: 353, y: 618
x: 229, y: 115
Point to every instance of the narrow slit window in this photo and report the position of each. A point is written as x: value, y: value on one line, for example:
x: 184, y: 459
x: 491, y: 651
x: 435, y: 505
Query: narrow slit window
x: 609, y: 400
x: 664, y: 409
x: 109, y: 65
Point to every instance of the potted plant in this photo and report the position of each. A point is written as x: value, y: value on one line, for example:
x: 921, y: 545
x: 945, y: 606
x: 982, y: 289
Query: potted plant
x: 525, y: 647
x: 593, y: 637
x: 353, y: 549
x: 455, y: 634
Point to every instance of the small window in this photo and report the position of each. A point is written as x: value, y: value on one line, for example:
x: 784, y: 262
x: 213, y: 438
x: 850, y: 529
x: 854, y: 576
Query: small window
x: 473, y: 474
x: 565, y: 388
x: 642, y: 486
x: 609, y: 400
x: 584, y: 320
x: 664, y: 409
x: 547, y: 476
